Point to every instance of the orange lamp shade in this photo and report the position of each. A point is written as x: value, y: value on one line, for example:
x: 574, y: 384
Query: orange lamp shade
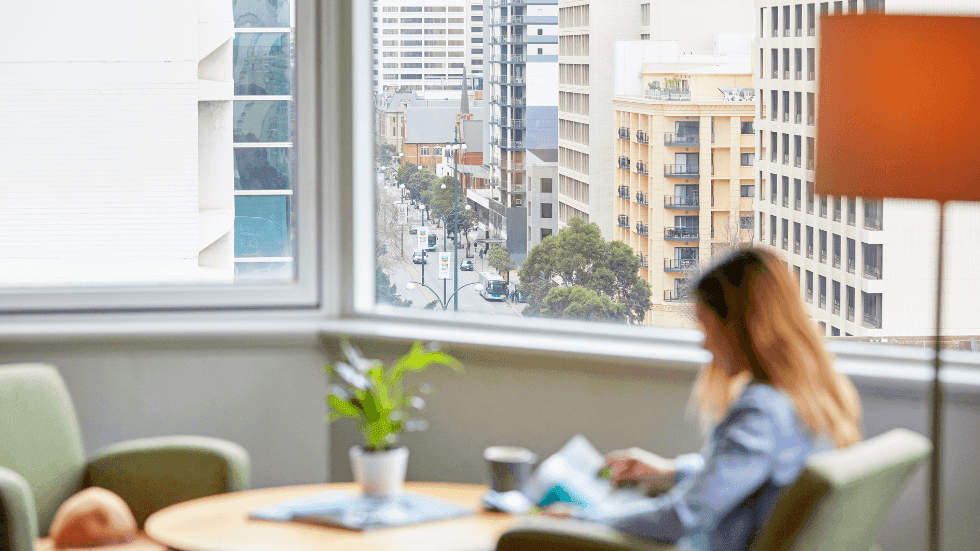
x: 899, y: 107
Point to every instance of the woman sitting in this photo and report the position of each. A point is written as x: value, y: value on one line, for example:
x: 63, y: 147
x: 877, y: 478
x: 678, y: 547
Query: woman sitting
x: 772, y: 398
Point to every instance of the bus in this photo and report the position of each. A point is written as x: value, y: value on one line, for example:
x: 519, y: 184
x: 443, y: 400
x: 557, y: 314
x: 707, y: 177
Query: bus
x: 494, y: 286
x: 432, y: 241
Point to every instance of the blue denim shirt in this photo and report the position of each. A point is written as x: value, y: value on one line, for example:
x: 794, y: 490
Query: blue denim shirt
x: 723, y: 495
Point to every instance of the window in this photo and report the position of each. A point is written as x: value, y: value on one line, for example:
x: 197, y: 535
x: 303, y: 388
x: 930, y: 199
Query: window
x: 748, y: 191
x: 745, y: 222
x: 545, y: 210
x: 545, y: 232
x: 545, y: 185
x: 748, y: 159
x: 748, y: 127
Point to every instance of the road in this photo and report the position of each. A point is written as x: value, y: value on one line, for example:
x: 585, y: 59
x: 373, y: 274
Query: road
x: 470, y: 301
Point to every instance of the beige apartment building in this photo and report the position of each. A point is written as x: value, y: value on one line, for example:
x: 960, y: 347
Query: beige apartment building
x: 588, y: 33
x: 683, y: 175
x: 866, y: 268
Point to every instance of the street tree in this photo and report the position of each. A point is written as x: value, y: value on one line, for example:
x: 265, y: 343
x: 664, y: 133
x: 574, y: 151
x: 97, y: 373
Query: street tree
x: 578, y: 256
x: 419, y: 183
x: 405, y: 172
x: 443, y: 203
x: 387, y: 292
x: 386, y: 153
x: 389, y: 233
x: 500, y: 259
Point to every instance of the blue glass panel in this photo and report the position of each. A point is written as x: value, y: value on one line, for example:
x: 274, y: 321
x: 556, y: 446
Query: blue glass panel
x: 261, y: 64
x: 263, y: 168
x: 262, y: 226
x: 262, y: 121
x: 261, y: 13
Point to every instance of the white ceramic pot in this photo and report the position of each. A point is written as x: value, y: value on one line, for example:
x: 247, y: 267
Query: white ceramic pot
x: 380, y: 474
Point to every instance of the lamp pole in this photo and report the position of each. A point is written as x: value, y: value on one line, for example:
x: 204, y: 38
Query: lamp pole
x: 444, y: 302
x: 456, y: 222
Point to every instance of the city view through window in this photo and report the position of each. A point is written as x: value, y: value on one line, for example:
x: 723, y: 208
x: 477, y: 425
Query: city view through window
x: 584, y: 160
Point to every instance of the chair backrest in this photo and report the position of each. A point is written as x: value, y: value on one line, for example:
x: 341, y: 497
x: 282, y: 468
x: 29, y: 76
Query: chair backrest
x: 39, y: 435
x: 841, y: 499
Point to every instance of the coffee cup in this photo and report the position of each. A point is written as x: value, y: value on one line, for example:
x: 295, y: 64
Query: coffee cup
x: 510, y: 467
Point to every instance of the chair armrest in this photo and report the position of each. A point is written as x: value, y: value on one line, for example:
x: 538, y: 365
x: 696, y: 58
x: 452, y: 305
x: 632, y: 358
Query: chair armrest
x: 18, y: 513
x: 153, y: 473
x: 546, y: 534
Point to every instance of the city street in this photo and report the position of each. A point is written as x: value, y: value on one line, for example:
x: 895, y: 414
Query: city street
x: 470, y: 301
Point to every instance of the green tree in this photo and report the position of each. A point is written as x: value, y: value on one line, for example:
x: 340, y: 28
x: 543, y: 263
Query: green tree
x: 441, y: 203
x: 578, y: 256
x: 500, y: 259
x: 385, y: 152
x: 419, y: 183
x: 387, y: 292
x: 405, y: 172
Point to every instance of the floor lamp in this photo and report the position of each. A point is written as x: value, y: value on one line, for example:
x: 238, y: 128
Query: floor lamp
x: 899, y: 116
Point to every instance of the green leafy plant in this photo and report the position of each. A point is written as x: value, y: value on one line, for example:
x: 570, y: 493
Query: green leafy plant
x: 374, y: 395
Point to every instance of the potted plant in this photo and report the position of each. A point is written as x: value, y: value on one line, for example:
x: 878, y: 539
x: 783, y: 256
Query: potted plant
x: 374, y: 396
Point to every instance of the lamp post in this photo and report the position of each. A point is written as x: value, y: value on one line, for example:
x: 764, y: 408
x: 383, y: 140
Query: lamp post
x: 458, y: 147
x: 444, y: 302
x: 443, y: 216
x: 402, y: 191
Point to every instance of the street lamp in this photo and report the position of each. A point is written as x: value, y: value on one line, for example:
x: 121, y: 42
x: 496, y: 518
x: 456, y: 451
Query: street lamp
x: 444, y: 302
x: 402, y: 191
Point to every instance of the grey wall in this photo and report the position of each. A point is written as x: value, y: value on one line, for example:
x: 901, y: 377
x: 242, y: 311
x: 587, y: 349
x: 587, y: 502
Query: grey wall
x: 269, y: 399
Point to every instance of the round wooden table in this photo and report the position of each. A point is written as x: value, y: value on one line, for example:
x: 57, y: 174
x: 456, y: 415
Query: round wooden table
x: 221, y: 523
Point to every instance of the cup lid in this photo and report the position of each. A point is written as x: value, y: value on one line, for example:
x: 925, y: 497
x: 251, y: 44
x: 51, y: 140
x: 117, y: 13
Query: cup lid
x: 512, y: 454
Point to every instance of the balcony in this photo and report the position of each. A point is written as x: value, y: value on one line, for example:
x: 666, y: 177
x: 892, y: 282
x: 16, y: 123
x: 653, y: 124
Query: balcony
x: 641, y: 198
x: 507, y: 101
x: 642, y: 229
x: 872, y: 223
x: 512, y: 20
x: 641, y: 167
x: 681, y: 233
x: 623, y: 221
x: 624, y: 133
x: 624, y: 163
x: 872, y: 272
x: 679, y: 265
x: 644, y: 262
x: 507, y: 80
x: 512, y: 167
x: 674, y: 296
x: 641, y: 137
x: 668, y: 95
x: 509, y: 58
x: 624, y: 192
x: 681, y: 171
x: 506, y: 144
x: 510, y: 39
x: 683, y: 139
x: 872, y: 319
x: 681, y: 202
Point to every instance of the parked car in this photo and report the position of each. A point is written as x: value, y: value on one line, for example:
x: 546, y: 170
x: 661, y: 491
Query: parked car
x: 466, y: 265
x: 418, y: 257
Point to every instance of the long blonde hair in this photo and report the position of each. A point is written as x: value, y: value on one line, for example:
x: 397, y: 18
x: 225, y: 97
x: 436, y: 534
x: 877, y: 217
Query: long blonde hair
x: 752, y: 312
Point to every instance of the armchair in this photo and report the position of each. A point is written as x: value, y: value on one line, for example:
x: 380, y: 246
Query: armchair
x: 839, y: 502
x: 42, y: 462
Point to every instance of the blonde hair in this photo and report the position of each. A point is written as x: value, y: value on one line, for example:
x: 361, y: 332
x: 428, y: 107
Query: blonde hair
x: 752, y: 312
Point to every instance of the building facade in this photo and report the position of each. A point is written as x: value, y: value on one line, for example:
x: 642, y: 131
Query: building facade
x: 684, y: 175
x: 866, y: 268
x: 425, y: 46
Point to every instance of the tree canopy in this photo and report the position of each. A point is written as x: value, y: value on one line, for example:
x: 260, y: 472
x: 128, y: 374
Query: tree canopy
x: 387, y: 292
x: 441, y: 203
x: 386, y: 153
x: 576, y: 274
x: 500, y: 259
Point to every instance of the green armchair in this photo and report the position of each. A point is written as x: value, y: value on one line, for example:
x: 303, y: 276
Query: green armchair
x: 839, y: 502
x: 42, y: 462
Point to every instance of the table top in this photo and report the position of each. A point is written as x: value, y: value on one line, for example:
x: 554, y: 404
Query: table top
x: 221, y: 523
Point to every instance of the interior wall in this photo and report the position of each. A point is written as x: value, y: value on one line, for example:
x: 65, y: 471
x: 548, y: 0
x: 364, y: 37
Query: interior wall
x: 268, y: 398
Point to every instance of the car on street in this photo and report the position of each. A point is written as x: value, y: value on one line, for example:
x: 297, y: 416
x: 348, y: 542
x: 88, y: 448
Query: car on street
x: 418, y: 257
x: 466, y: 265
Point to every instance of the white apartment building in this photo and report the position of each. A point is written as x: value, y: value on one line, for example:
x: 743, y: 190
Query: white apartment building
x: 116, y: 143
x: 587, y: 32
x: 424, y: 46
x: 542, y: 173
x: 523, y: 87
x: 866, y: 268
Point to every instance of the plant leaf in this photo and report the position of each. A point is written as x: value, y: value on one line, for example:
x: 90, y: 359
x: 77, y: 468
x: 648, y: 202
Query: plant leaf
x: 342, y: 407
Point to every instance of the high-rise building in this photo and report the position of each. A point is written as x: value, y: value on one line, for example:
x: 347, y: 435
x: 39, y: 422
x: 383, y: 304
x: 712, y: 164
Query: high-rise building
x: 588, y: 32
x: 524, y: 101
x: 425, y: 46
x: 116, y: 160
x: 866, y: 268
x: 685, y: 149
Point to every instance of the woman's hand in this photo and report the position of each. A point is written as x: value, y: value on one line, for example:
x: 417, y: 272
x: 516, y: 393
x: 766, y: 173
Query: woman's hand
x: 559, y: 510
x: 636, y: 465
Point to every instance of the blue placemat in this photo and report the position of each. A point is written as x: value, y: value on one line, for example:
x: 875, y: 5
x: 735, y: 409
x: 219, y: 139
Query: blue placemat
x: 356, y: 512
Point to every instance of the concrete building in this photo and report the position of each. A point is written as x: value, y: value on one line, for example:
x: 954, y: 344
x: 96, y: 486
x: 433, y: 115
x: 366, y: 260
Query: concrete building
x: 542, y: 173
x: 684, y: 171
x: 588, y: 31
x: 117, y: 161
x: 425, y: 46
x: 524, y: 101
x: 866, y: 268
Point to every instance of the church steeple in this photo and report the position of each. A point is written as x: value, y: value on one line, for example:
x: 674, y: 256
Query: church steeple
x: 464, y: 100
